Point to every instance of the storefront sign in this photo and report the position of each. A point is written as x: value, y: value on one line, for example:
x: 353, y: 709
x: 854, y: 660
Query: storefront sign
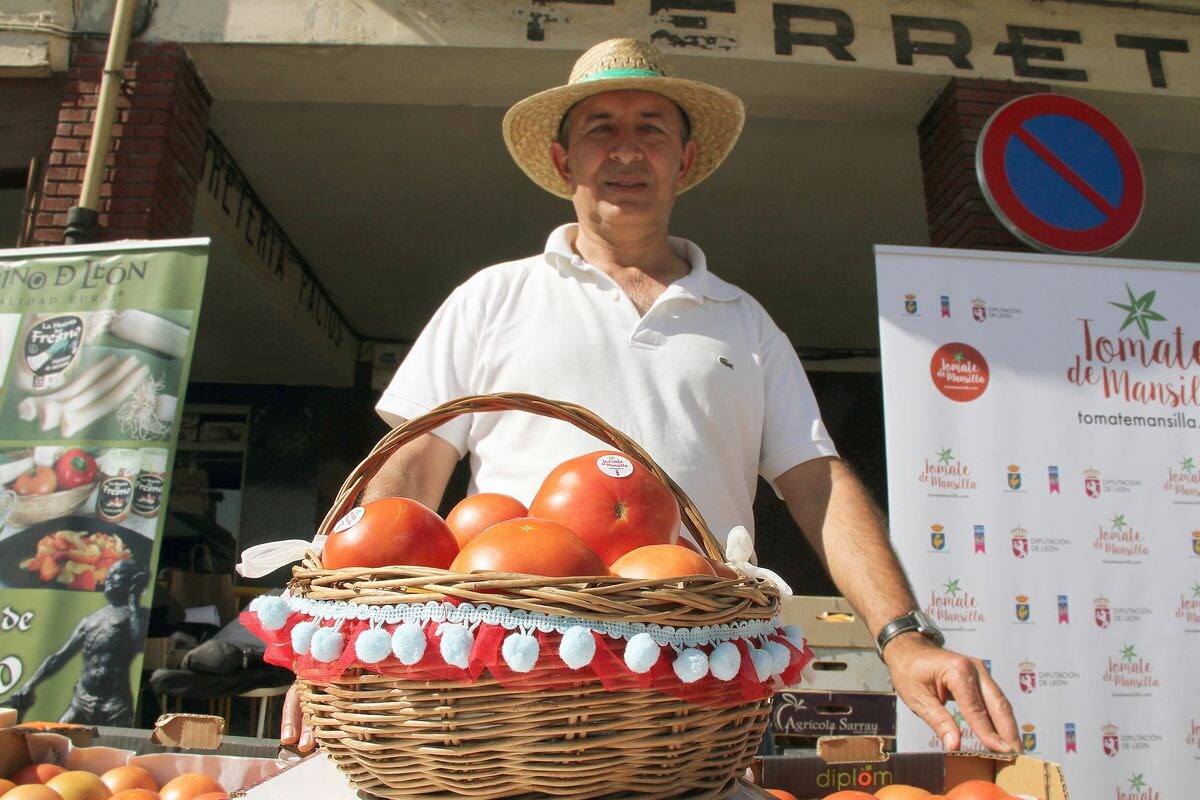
x: 1060, y: 175
x: 95, y: 349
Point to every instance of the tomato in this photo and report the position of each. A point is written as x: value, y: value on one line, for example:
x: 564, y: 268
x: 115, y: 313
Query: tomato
x: 118, y: 779
x: 479, y: 511
x: 781, y: 794
x: 5, y: 785
x: 189, y: 786
x: 212, y: 796
x: 390, y: 531
x: 135, y: 794
x: 37, y: 773
x: 613, y: 503
x: 530, y: 546
x: 655, y: 561
x: 32, y: 791
x: 977, y: 790
x: 39, y: 480
x: 74, y: 468
x: 902, y: 791
x: 850, y: 794
x: 79, y: 785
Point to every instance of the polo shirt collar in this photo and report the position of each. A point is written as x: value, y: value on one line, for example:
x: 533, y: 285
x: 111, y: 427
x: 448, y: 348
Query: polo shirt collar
x: 697, y: 285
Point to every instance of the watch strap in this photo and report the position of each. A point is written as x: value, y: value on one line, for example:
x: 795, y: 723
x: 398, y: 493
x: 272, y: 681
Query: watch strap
x: 913, y: 621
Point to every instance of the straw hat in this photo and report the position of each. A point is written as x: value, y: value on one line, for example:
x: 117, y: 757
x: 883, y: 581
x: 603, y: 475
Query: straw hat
x: 531, y: 125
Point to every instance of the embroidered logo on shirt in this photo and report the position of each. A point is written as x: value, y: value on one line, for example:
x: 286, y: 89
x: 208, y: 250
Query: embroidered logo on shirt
x: 725, y: 361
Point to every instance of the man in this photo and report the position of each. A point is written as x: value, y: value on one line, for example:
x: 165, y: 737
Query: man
x: 620, y: 317
x: 108, y: 638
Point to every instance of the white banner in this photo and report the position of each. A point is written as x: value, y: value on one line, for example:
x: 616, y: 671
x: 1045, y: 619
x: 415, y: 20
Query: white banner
x: 1043, y: 450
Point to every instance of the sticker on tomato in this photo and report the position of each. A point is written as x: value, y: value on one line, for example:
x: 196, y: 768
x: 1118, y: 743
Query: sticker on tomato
x: 352, y: 516
x: 614, y: 466
x: 959, y: 371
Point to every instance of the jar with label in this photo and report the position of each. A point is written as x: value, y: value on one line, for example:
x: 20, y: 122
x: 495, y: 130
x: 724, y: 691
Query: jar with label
x: 119, y: 468
x: 151, y: 477
x: 50, y: 350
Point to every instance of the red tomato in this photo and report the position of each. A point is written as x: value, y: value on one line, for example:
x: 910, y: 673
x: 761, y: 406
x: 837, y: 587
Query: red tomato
x: 480, y: 511
x: 189, y: 786
x: 390, y: 531
x: 613, y: 503
x: 531, y: 546
x: 118, y: 779
x: 36, y: 773
x: 79, y: 785
x: 655, y: 561
x: 849, y: 794
x: 977, y: 790
x: 902, y: 791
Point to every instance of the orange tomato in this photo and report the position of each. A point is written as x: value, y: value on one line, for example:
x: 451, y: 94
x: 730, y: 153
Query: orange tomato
x: 37, y: 773
x: 654, y: 561
x: 189, y: 786
x: 39, y: 480
x: 902, y: 791
x: 850, y: 794
x: 531, y: 546
x: 5, y: 785
x: 977, y: 790
x: 476, y: 513
x: 31, y: 791
x: 78, y: 784
x: 118, y: 779
x: 212, y: 796
x: 390, y: 531
x: 782, y: 794
x: 135, y: 794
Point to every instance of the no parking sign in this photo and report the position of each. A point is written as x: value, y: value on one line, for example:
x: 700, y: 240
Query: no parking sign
x: 1060, y: 175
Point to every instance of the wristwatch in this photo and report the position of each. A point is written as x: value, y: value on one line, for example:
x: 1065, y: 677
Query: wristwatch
x: 912, y: 621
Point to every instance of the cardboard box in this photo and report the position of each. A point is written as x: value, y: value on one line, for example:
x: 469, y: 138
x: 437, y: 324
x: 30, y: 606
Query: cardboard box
x: 827, y: 621
x: 860, y: 763
x: 846, y: 669
x: 799, y: 718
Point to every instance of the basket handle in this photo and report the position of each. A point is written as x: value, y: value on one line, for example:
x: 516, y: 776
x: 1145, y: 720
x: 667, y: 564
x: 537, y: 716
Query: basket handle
x: 577, y: 415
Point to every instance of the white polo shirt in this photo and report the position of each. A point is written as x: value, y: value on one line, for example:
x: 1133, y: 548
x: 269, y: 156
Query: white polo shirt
x: 704, y: 381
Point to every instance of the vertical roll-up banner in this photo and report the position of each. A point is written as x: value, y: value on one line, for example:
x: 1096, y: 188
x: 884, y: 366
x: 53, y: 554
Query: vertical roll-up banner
x: 95, y: 345
x: 1043, y: 448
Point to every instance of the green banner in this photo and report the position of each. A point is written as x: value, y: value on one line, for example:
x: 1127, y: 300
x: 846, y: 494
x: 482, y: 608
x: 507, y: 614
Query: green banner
x: 95, y: 346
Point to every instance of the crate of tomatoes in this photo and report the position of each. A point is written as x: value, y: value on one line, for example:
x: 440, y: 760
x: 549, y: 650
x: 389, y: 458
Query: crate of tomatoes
x: 577, y: 648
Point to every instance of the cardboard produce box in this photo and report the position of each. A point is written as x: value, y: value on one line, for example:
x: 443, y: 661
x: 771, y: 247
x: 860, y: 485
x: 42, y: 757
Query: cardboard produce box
x: 860, y: 763
x: 799, y: 718
x: 845, y: 656
x: 233, y: 761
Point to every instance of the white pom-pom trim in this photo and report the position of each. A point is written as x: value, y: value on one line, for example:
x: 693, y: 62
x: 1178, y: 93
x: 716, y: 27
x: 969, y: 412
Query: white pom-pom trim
x: 327, y: 645
x: 456, y: 643
x: 373, y: 645
x: 641, y: 653
x: 302, y: 636
x: 725, y: 661
x: 520, y: 651
x: 762, y: 663
x: 273, y: 613
x: 794, y: 635
x: 577, y: 648
x: 408, y: 643
x: 690, y: 665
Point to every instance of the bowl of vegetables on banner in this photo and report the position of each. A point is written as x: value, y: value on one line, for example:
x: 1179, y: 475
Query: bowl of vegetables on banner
x: 47, y: 482
x: 580, y: 647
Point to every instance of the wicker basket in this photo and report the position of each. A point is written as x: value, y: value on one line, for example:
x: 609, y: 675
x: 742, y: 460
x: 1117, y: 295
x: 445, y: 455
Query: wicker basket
x: 437, y: 740
x: 35, y: 508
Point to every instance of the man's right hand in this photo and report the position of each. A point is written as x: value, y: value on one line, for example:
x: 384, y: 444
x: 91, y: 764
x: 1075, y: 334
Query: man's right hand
x: 293, y: 731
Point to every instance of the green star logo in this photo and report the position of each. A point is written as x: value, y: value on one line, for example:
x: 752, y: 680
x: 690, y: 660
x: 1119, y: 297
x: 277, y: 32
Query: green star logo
x: 1137, y: 782
x: 1188, y: 464
x: 1127, y: 653
x: 1139, y: 312
x: 1118, y: 522
x: 952, y: 587
x: 959, y: 357
x: 1196, y: 590
x: 945, y: 455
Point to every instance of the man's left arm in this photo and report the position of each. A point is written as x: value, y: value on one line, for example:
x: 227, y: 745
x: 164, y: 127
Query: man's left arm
x: 838, y: 517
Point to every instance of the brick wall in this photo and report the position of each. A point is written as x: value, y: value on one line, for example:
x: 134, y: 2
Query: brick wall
x: 156, y: 153
x: 957, y: 213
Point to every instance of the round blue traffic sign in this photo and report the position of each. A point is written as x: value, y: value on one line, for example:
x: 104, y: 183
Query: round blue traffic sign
x: 1060, y: 175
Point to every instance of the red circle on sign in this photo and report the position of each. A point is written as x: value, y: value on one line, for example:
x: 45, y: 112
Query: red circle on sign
x: 959, y: 372
x: 1016, y: 216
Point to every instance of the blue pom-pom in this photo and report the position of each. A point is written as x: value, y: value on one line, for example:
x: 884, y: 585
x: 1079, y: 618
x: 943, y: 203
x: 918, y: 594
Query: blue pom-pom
x: 273, y: 613
x: 794, y: 635
x: 641, y: 653
x: 254, y: 603
x: 725, y: 661
x: 691, y: 665
x: 457, y: 641
x: 577, y: 647
x: 302, y: 637
x: 780, y: 657
x: 408, y: 643
x: 520, y: 651
x: 762, y: 663
x: 327, y: 645
x: 373, y: 645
